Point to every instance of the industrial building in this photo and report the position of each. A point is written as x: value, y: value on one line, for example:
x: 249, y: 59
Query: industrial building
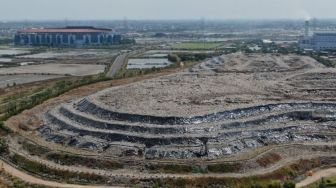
x: 317, y: 41
x: 67, y: 37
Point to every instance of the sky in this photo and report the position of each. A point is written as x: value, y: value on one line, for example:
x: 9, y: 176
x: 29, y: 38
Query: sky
x: 165, y: 9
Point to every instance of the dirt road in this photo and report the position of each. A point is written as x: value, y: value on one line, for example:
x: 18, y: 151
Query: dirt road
x: 117, y: 65
x: 317, y: 176
x: 31, y: 179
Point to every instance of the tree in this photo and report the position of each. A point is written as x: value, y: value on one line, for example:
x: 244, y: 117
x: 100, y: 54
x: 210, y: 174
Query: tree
x: 174, y: 58
x: 3, y: 146
x: 289, y: 184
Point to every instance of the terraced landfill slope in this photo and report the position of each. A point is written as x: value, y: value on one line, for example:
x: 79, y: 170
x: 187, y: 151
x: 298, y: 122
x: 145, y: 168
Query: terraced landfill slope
x: 226, y: 106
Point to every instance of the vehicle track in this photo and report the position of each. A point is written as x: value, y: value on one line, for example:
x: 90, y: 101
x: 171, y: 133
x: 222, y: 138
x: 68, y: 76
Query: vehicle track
x: 145, y: 175
x: 35, y: 180
x: 317, y: 176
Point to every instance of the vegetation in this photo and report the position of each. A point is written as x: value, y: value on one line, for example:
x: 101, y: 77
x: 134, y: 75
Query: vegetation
x: 127, y: 41
x: 197, y: 45
x: 127, y: 73
x: 176, y: 168
x: 281, y: 178
x: 5, y: 40
x: 20, y: 184
x: 34, y: 149
x: 68, y: 159
x: 6, y: 180
x: 289, y: 184
x: 224, y: 168
x: 324, y: 61
x: 324, y: 183
x: 3, y: 130
x: 3, y: 146
x: 194, y: 57
x: 13, y: 107
x: 171, y: 168
x: 43, y: 170
x: 218, y: 182
x: 174, y: 58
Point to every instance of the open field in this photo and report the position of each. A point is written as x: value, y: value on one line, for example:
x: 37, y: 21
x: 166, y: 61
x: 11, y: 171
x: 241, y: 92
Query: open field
x: 58, y: 69
x: 6, y: 80
x: 147, y: 63
x: 5, y: 60
x: 197, y: 45
x: 151, y: 52
x: 23, y: 65
x: 72, y: 54
x: 13, y: 51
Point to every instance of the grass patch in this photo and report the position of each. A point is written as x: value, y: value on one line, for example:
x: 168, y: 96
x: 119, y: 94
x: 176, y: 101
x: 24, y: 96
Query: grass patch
x: 67, y: 176
x: 3, y: 129
x: 324, y: 182
x: 23, y: 101
x: 170, y: 168
x: 34, y: 149
x: 218, y: 182
x: 128, y: 73
x: 7, y: 180
x: 224, y: 168
x: 197, y: 45
x: 180, y: 169
x: 4, y: 47
x: 67, y: 159
x: 325, y: 62
x: 281, y: 178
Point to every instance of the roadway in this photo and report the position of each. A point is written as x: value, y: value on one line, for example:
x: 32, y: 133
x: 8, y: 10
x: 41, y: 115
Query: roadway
x: 34, y: 180
x: 317, y: 176
x: 117, y: 65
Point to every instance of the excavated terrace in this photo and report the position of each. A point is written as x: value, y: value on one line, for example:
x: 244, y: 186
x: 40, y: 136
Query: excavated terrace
x: 224, y: 106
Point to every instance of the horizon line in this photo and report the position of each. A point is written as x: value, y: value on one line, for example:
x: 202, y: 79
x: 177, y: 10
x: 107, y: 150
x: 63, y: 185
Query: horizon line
x: 182, y: 19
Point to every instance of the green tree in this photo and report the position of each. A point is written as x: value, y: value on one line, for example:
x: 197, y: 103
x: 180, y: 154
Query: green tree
x: 3, y: 146
x: 289, y: 184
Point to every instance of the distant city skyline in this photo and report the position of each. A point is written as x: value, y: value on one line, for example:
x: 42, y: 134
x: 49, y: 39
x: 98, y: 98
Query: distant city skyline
x: 165, y: 9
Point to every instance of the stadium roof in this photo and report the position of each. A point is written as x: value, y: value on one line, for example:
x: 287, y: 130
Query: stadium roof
x: 65, y: 30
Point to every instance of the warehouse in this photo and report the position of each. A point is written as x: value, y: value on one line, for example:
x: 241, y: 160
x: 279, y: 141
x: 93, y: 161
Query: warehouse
x: 319, y: 41
x: 68, y: 36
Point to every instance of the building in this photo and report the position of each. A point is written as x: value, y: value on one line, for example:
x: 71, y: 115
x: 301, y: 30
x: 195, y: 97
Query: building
x: 66, y: 37
x: 318, y: 41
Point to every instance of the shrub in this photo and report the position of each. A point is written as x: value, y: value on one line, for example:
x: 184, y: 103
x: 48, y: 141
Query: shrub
x: 289, y: 184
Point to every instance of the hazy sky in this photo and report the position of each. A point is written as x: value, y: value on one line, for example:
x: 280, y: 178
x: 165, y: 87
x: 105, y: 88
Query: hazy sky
x: 165, y: 9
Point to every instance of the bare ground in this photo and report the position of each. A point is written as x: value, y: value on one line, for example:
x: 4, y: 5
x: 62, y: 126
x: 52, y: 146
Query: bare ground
x: 34, y: 113
x: 225, y: 82
x: 317, y: 176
